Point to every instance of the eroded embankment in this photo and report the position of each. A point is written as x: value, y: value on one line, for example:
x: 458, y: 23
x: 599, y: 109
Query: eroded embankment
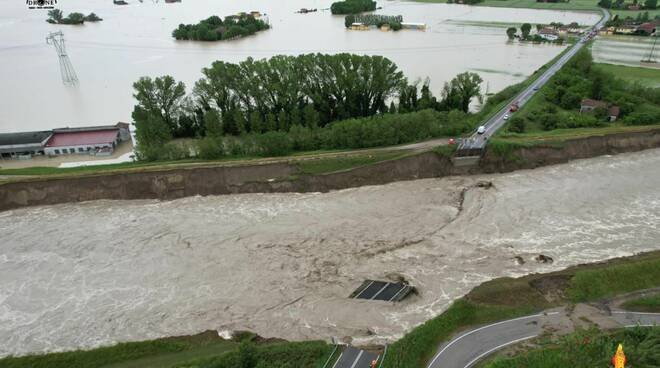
x: 285, y: 177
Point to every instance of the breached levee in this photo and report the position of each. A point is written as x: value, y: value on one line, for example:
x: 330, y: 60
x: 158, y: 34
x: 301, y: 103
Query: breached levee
x: 94, y: 273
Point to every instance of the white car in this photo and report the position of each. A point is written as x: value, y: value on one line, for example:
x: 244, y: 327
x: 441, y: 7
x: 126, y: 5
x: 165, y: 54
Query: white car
x: 481, y: 130
x: 506, y: 117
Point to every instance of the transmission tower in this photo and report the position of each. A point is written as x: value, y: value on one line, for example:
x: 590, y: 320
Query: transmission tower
x: 69, y: 77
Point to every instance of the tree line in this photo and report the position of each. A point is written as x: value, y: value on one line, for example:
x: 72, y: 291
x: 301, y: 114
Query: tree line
x: 56, y: 16
x: 215, y: 29
x: 284, y: 94
x: 352, y: 6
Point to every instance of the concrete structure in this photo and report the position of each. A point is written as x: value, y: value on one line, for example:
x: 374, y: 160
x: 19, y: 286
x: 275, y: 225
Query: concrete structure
x: 23, y: 145
x: 410, y: 25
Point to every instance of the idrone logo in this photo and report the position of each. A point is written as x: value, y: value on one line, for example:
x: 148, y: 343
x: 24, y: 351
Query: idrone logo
x: 41, y: 4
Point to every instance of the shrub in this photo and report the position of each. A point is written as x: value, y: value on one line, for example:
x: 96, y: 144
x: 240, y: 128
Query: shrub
x: 210, y: 148
x: 274, y: 144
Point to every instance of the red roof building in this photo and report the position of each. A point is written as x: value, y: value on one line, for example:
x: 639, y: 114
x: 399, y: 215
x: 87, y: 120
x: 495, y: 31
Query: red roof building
x: 81, y: 141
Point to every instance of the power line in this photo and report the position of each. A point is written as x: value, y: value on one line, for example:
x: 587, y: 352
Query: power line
x: 69, y: 76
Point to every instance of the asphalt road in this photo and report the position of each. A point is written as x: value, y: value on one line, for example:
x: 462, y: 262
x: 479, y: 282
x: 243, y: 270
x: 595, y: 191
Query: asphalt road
x: 355, y: 358
x: 468, y: 348
x: 492, y: 125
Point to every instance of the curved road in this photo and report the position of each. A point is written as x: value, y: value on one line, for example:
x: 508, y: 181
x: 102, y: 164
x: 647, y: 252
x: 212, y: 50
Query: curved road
x: 467, y: 349
x: 478, y: 141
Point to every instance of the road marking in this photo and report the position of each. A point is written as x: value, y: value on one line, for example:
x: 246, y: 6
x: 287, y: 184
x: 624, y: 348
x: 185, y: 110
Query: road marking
x: 484, y: 327
x: 357, y: 359
x: 380, y: 291
x: 338, y: 359
x: 497, y: 348
x: 398, y: 292
x: 357, y: 296
x: 641, y: 313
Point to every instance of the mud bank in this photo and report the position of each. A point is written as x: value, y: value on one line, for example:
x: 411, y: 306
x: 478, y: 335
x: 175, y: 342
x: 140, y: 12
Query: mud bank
x: 285, y: 177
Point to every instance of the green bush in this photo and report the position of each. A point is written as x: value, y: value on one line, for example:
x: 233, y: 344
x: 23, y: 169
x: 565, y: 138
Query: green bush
x: 352, y: 6
x: 274, y: 144
x: 210, y: 148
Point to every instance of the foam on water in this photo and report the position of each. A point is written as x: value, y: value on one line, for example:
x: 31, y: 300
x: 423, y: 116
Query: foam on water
x: 282, y: 265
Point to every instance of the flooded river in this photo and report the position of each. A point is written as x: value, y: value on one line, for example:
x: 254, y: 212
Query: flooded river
x: 135, y: 40
x: 80, y: 275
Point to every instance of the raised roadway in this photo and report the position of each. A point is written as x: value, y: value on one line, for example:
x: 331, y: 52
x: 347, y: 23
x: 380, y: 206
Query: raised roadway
x: 478, y: 141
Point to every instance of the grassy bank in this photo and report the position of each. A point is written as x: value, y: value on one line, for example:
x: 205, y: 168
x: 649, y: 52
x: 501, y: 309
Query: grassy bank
x: 206, y: 350
x: 333, y: 164
x: 507, y: 298
x: 647, y: 304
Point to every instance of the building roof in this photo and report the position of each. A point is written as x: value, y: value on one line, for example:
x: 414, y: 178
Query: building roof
x: 81, y: 138
x: 548, y: 31
x: 12, y: 139
x: 593, y: 103
x: 647, y: 27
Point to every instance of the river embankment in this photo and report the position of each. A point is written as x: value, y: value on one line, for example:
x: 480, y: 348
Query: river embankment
x: 286, y: 177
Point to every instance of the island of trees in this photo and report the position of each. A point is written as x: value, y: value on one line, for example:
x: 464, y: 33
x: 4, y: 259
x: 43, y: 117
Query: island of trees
x: 287, y: 103
x: 56, y: 16
x: 394, y: 21
x: 543, y: 33
x: 352, y: 6
x: 216, y: 29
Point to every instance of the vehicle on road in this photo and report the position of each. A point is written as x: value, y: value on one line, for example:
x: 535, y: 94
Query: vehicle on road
x: 506, y: 117
x: 481, y: 130
x: 514, y: 107
x: 536, y: 88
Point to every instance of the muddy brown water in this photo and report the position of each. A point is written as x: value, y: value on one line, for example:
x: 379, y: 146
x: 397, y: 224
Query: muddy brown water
x: 282, y: 265
x: 135, y: 40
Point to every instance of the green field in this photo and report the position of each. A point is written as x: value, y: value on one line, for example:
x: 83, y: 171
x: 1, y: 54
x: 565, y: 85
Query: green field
x: 205, y: 350
x: 649, y: 77
x: 532, y: 4
x: 646, y: 304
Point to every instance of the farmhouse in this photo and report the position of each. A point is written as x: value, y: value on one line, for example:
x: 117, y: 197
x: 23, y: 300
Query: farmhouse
x: 588, y: 105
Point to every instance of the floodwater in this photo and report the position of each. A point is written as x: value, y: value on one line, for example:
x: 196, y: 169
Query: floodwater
x: 623, y: 50
x: 282, y: 265
x: 135, y: 41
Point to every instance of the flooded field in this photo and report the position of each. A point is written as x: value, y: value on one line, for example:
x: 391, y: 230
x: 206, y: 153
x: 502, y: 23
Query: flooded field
x: 81, y: 275
x: 135, y: 40
x: 623, y: 50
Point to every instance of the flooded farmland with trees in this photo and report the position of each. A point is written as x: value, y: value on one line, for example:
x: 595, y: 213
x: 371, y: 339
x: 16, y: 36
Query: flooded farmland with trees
x: 136, y: 40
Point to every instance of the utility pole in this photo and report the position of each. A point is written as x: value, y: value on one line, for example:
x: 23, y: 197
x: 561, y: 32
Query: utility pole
x: 69, y: 77
x: 651, y: 58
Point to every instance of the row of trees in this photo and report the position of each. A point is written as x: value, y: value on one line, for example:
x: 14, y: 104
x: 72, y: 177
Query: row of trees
x: 215, y: 29
x: 394, y: 21
x: 352, y: 6
x: 56, y: 16
x: 286, y: 92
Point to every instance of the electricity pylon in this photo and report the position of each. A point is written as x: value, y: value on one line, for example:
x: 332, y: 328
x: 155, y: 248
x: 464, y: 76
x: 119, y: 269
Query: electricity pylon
x: 651, y: 58
x: 69, y: 77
